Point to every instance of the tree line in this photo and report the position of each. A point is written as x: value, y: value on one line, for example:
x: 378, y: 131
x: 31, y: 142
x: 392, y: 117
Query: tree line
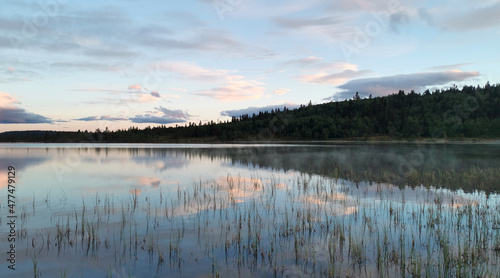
x: 470, y: 112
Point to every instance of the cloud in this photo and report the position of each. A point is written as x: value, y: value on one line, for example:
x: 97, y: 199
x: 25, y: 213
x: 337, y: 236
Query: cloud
x: 21, y: 116
x: 105, y: 90
x: 110, y: 52
x: 200, y: 39
x: 310, y: 63
x: 231, y: 87
x: 192, y: 71
x: 473, y: 19
x: 281, y: 91
x: 321, y: 29
x: 174, y: 90
x: 265, y: 9
x: 337, y: 20
x: 371, y: 7
x: 114, y: 35
x: 425, y: 16
x: 101, y: 118
x: 317, y: 63
x: 177, y: 114
x: 235, y: 90
x: 302, y: 62
x: 11, y: 74
x: 88, y: 119
x: 361, y: 5
x: 142, y: 96
x: 333, y: 78
x: 7, y: 100
x: 162, y: 115
x: 134, y: 94
x: 397, y: 20
x: 144, y: 119
x: 85, y: 66
x: 381, y: 86
x: 135, y: 87
x: 11, y: 114
x: 448, y: 67
x: 319, y: 72
x: 155, y: 94
x: 298, y: 23
x: 76, y: 31
x: 256, y: 110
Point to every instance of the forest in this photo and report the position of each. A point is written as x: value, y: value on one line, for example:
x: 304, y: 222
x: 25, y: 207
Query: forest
x: 452, y: 113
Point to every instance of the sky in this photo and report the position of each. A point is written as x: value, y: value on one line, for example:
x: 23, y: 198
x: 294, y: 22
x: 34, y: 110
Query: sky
x: 81, y: 65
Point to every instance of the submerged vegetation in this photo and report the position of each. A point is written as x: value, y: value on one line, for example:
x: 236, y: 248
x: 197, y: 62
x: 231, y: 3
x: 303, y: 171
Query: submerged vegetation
x: 292, y: 225
x: 470, y: 112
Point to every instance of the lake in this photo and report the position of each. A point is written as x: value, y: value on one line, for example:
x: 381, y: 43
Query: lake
x: 251, y: 210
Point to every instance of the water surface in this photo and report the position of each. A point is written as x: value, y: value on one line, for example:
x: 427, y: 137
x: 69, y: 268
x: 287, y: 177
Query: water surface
x: 262, y: 210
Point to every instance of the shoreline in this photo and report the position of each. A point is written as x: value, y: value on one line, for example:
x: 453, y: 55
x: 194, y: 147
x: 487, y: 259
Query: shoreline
x: 293, y: 142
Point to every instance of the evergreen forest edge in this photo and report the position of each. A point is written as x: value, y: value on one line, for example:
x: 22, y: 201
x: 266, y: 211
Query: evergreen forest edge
x: 453, y: 113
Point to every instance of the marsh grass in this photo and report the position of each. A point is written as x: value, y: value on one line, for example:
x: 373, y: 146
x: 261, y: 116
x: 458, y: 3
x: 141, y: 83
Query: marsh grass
x: 300, y: 225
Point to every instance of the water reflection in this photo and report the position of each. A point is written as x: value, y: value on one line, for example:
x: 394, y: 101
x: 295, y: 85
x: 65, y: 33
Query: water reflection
x: 262, y: 210
x: 21, y: 160
x: 83, y: 170
x: 468, y: 167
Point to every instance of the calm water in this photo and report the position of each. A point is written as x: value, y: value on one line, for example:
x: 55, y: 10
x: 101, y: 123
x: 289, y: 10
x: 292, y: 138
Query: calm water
x: 144, y: 210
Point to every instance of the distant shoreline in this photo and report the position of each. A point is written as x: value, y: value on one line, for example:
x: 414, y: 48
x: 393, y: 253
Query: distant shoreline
x: 293, y: 142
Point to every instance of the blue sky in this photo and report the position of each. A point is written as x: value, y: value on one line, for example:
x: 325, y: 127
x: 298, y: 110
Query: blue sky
x: 69, y: 65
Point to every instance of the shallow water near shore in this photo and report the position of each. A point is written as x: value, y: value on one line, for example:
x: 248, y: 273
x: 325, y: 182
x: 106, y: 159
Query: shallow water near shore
x: 180, y: 210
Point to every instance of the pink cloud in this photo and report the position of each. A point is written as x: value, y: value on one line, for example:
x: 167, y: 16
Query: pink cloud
x: 235, y: 90
x: 135, y: 87
x: 281, y: 91
x: 7, y: 100
x: 231, y: 87
x: 194, y: 72
x: 147, y: 98
x: 332, y: 78
x: 11, y: 113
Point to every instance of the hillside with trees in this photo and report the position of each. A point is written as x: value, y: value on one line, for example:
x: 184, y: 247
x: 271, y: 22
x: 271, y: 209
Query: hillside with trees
x: 470, y: 112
